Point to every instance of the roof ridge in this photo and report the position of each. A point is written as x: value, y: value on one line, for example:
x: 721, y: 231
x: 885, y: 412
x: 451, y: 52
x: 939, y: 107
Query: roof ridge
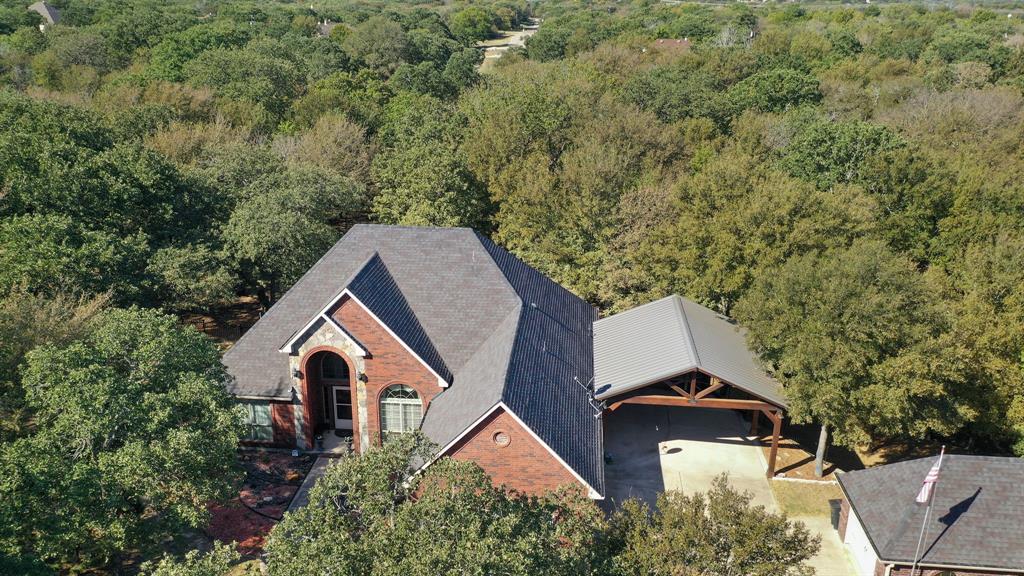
x: 685, y: 321
x: 637, y: 307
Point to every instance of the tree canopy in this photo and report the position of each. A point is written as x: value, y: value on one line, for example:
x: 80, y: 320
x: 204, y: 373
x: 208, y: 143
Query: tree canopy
x: 132, y: 434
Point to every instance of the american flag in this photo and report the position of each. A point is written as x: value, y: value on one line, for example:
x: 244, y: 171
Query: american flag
x: 929, y: 481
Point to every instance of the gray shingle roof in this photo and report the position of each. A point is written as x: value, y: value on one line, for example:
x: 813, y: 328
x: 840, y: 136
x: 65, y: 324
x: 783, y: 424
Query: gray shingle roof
x: 977, y: 516
x: 471, y: 300
x: 673, y: 336
x: 376, y: 289
x: 49, y: 13
x: 551, y: 367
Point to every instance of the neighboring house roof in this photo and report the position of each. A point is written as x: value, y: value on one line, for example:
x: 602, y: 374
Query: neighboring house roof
x: 673, y: 336
x: 976, y: 518
x: 498, y: 330
x: 49, y: 13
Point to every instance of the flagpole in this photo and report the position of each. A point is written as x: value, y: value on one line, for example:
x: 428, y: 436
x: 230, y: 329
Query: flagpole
x: 927, y: 514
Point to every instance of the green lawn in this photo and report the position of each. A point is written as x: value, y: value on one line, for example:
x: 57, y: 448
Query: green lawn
x: 805, y: 498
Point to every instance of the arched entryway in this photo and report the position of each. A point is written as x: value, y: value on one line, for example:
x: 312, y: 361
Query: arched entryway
x: 328, y: 394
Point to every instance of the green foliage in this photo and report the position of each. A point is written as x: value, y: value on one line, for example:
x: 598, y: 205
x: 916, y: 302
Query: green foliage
x: 676, y: 93
x: 421, y: 170
x: 471, y: 25
x: 734, y: 218
x: 379, y: 43
x: 27, y: 321
x: 216, y: 562
x: 192, y: 277
x: 824, y: 319
x: 262, y: 81
x: 284, y: 222
x: 774, y: 90
x: 167, y: 59
x: 830, y: 153
x: 370, y: 515
x: 47, y: 253
x: 712, y: 533
x: 133, y: 434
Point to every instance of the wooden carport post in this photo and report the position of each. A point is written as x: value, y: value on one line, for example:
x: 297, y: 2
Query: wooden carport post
x: 776, y: 419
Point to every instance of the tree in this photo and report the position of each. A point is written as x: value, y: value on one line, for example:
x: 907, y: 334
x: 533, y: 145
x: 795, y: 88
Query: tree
x: 471, y: 24
x: 379, y: 42
x: 193, y: 277
x: 167, y: 59
x: 250, y: 76
x: 774, y: 90
x: 334, y: 143
x: 829, y: 153
x: 27, y: 321
x: 421, y: 171
x: 734, y: 218
x: 717, y: 533
x: 824, y: 320
x: 285, y: 222
x: 371, y: 515
x: 134, y: 433
x: 47, y: 254
x: 216, y: 562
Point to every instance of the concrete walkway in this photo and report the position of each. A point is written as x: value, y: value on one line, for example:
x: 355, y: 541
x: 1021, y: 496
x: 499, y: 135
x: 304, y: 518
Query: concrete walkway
x: 315, y: 472
x: 658, y: 448
x: 832, y: 560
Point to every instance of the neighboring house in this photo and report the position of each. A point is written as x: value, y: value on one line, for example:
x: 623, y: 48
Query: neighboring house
x: 49, y: 13
x: 976, y: 525
x: 400, y: 328
x: 324, y: 27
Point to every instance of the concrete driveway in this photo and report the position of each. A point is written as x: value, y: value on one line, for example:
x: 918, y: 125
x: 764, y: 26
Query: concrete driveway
x: 659, y: 448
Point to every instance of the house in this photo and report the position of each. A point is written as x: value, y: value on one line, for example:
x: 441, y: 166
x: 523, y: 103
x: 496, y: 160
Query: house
x: 440, y: 329
x: 49, y: 13
x: 400, y: 328
x: 976, y: 524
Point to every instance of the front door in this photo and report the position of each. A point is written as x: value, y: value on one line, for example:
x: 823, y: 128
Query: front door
x: 342, y: 396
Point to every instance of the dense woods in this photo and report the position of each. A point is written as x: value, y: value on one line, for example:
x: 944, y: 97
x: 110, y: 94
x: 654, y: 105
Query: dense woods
x: 846, y: 181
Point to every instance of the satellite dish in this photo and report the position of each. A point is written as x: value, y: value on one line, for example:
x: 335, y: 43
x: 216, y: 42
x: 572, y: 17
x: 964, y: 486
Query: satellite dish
x: 602, y: 389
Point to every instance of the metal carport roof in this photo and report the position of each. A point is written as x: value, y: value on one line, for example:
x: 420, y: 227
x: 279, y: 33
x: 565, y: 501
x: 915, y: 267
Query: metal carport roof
x: 674, y: 336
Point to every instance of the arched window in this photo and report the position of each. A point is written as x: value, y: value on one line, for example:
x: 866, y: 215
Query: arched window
x: 332, y: 367
x: 400, y: 410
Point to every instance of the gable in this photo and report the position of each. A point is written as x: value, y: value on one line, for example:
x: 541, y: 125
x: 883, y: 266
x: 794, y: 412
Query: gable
x: 513, y: 455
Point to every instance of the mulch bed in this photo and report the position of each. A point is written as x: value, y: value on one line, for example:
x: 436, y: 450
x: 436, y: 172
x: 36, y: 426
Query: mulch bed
x: 271, y: 480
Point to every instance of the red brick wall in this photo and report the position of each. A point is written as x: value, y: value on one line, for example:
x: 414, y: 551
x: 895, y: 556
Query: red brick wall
x: 389, y: 363
x: 284, y: 423
x: 524, y: 464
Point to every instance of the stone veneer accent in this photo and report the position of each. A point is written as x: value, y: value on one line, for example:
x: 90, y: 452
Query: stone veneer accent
x: 329, y: 336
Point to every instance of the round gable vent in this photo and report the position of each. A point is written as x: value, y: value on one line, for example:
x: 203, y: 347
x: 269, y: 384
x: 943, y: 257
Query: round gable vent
x: 501, y: 438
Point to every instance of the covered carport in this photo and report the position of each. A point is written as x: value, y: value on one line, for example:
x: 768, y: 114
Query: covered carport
x: 691, y: 367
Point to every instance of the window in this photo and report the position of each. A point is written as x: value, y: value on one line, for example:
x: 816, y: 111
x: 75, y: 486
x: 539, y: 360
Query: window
x: 332, y: 367
x: 259, y: 426
x: 400, y: 410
